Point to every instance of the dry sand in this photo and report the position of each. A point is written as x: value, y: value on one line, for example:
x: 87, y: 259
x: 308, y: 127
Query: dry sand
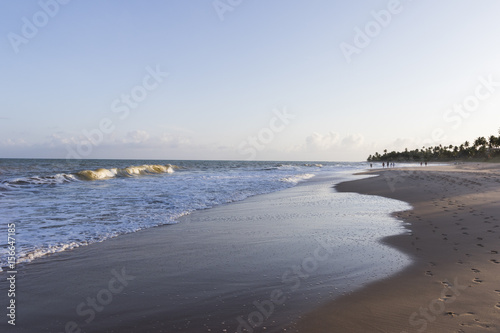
x: 454, y: 284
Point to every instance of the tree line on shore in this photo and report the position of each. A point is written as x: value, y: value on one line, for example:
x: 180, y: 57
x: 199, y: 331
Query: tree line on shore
x: 480, y: 149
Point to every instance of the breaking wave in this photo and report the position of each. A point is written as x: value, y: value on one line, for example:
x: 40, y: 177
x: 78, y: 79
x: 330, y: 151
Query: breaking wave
x: 89, y: 175
x: 147, y: 169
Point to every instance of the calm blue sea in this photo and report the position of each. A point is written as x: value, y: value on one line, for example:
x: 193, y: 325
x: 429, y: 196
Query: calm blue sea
x: 62, y: 204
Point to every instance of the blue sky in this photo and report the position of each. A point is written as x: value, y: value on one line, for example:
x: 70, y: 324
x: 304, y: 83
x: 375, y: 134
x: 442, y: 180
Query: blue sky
x: 230, y: 79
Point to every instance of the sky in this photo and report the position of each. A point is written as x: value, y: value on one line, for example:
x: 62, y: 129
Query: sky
x: 316, y: 80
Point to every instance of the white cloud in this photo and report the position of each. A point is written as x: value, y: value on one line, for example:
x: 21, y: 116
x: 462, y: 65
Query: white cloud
x: 321, y: 142
x: 13, y: 143
x: 353, y: 141
x: 142, y: 144
x: 331, y: 141
x: 136, y: 137
x: 174, y: 141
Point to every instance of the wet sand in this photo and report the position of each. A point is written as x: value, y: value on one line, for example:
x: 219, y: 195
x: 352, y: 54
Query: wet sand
x: 454, y: 283
x: 249, y: 266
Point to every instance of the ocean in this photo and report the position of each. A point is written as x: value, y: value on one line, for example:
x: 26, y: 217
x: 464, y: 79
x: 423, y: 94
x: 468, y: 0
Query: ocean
x: 212, y: 245
x: 57, y: 205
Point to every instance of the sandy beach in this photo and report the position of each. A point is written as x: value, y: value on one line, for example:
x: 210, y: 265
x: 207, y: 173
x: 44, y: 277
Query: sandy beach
x: 454, y: 284
x: 291, y: 259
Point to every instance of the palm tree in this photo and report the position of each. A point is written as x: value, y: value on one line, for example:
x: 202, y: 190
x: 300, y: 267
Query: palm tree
x: 492, y: 141
x: 481, y: 141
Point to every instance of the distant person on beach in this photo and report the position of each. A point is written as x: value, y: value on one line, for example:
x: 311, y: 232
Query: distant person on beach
x: 420, y: 163
x: 383, y: 164
x: 425, y: 163
x: 371, y: 165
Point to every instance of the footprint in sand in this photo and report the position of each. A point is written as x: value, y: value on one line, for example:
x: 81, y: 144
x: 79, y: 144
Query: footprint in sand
x: 451, y: 314
x: 494, y: 252
x: 429, y: 273
x: 445, y: 298
x: 498, y: 306
x: 495, y: 261
x: 477, y: 280
x: 480, y: 245
x: 475, y: 270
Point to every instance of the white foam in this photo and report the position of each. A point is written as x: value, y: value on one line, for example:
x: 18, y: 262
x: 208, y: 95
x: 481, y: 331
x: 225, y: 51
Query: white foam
x: 297, y: 178
x: 75, y: 212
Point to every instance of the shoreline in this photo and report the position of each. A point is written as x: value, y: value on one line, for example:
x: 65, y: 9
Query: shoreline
x: 270, y: 253
x: 452, y: 285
